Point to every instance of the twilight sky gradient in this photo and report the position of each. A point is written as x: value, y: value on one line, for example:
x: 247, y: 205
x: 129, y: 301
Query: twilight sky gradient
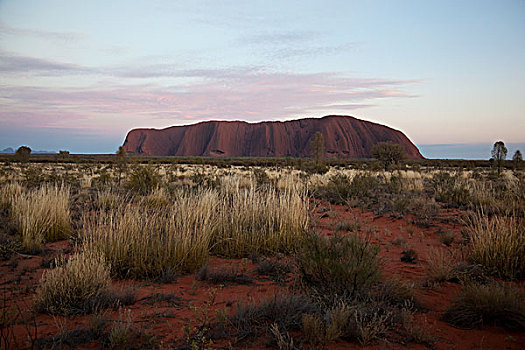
x: 77, y: 75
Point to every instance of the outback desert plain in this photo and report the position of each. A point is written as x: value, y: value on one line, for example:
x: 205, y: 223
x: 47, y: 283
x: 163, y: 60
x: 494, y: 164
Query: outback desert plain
x: 205, y: 239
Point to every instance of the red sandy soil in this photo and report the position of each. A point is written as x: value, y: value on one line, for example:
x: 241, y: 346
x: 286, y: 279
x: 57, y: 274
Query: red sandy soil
x: 20, y: 275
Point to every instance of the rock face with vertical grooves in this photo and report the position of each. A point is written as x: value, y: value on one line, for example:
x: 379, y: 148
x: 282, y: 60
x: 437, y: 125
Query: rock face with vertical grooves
x: 345, y: 137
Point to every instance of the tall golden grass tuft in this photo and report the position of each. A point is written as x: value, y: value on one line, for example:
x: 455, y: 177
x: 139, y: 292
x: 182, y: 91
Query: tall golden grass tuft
x: 141, y: 243
x: 42, y: 215
x: 107, y: 199
x: 8, y: 193
x: 498, y: 244
x: 74, y: 286
x: 259, y: 220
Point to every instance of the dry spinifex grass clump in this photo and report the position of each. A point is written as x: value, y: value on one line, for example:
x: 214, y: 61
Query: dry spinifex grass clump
x: 42, y: 215
x: 141, y: 243
x: 75, y: 286
x: 442, y: 265
x: 482, y: 304
x: 146, y: 240
x: 8, y: 193
x: 259, y: 220
x: 498, y: 244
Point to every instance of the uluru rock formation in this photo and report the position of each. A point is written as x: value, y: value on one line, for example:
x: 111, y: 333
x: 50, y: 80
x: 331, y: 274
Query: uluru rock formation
x: 345, y: 137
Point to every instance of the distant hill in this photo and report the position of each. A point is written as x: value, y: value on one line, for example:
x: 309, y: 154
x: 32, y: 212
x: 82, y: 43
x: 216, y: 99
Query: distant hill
x: 10, y: 150
x: 7, y: 150
x: 345, y: 137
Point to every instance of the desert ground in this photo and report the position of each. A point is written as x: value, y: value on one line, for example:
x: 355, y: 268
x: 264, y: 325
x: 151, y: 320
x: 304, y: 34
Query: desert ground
x: 195, y: 256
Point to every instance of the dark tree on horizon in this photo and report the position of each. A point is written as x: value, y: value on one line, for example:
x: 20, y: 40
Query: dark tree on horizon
x: 22, y: 153
x: 517, y: 158
x: 499, y: 153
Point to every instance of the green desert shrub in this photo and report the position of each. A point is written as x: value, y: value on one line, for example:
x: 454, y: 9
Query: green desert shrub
x: 75, y: 286
x: 488, y: 304
x: 143, y: 179
x: 42, y: 215
x: 341, y: 187
x: 338, y: 264
x: 498, y: 244
x: 451, y: 189
x: 424, y: 210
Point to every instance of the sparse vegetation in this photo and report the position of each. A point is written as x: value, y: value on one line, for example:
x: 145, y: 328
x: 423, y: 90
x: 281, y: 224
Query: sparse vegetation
x: 255, y: 221
x: 388, y: 153
x: 223, y: 276
x: 143, y: 179
x: 486, y: 304
x: 78, y: 285
x: 41, y: 215
x: 498, y: 244
x: 169, y: 221
x: 337, y: 264
x: 286, y: 311
x: 142, y: 244
x: 442, y: 265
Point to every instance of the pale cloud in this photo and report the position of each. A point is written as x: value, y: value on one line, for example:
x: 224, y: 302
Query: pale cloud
x: 7, y: 30
x: 11, y: 63
x: 245, y: 94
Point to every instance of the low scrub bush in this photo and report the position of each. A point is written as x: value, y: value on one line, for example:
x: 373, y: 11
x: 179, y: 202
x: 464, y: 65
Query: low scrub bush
x: 286, y: 311
x: 498, y: 244
x: 417, y: 331
x: 446, y: 237
x: 143, y: 179
x: 349, y: 225
x: 368, y: 325
x: 42, y: 215
x: 321, y: 329
x: 75, y: 286
x: 341, y: 188
x: 338, y: 264
x: 395, y: 293
x: 409, y: 256
x: 489, y: 304
x: 273, y: 269
x: 222, y: 276
x: 442, y: 265
x: 365, y: 321
x: 451, y: 189
x: 424, y: 211
x: 121, y: 334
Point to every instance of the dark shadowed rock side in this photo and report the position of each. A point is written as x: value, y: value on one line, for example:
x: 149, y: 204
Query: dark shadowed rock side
x: 345, y: 137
